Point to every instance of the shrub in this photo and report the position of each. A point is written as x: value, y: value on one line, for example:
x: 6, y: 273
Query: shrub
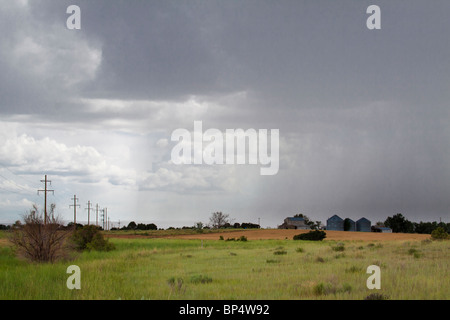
x: 272, y: 261
x: 316, y: 235
x: 176, y: 285
x: 353, y: 269
x: 338, y: 247
x: 200, y: 279
x: 90, y: 238
x: 414, y: 252
x: 320, y: 259
x: 38, y: 240
x: 324, y: 289
x: 242, y: 238
x: 346, y: 288
x: 439, y: 234
x: 279, y: 252
x: 376, y: 296
x: 299, y: 250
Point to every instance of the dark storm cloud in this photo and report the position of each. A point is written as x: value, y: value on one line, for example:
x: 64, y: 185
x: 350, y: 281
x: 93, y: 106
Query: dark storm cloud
x: 363, y: 114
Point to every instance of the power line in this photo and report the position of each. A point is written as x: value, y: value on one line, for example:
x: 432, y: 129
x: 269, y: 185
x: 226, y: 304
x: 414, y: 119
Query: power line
x: 14, y: 184
x: 32, y: 183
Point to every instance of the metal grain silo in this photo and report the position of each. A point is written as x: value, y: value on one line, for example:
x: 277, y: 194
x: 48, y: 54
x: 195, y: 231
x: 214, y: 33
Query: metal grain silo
x: 335, y: 223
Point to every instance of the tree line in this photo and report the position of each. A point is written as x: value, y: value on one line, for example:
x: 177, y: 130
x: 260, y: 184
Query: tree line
x: 399, y: 223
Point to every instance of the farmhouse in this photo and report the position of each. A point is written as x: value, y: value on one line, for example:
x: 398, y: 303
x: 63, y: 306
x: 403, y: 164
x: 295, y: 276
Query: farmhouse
x: 294, y: 223
x: 335, y: 223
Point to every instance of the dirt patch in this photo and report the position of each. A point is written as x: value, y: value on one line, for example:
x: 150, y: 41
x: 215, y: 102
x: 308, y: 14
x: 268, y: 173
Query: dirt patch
x: 280, y: 234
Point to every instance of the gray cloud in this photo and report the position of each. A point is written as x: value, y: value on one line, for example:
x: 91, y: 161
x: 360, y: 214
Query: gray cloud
x: 362, y: 114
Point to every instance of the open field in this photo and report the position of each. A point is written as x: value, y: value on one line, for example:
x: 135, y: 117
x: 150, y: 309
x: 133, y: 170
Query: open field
x: 281, y: 234
x: 161, y: 268
x: 263, y: 234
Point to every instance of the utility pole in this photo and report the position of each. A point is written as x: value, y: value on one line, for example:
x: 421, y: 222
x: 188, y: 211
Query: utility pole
x: 96, y: 215
x: 75, y: 205
x: 45, y: 196
x: 89, y: 210
x: 104, y: 218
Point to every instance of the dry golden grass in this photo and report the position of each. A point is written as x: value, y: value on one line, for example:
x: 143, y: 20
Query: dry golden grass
x: 280, y: 234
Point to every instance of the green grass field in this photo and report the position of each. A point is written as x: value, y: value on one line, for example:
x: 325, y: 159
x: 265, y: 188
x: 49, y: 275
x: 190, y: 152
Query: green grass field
x: 258, y: 269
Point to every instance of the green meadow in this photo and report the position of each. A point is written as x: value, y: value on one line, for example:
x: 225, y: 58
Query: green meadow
x: 161, y: 269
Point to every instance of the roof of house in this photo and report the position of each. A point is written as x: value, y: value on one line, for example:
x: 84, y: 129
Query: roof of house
x: 295, y: 219
x: 363, y: 219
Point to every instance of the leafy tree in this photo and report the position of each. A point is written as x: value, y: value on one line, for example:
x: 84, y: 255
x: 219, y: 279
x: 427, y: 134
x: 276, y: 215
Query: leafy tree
x: 132, y: 225
x: 249, y: 225
x: 198, y: 225
x: 313, y: 225
x: 398, y: 223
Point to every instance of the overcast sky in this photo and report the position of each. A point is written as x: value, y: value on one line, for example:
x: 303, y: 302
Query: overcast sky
x: 363, y: 114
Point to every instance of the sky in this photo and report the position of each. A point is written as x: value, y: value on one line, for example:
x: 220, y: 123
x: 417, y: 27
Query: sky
x: 362, y: 114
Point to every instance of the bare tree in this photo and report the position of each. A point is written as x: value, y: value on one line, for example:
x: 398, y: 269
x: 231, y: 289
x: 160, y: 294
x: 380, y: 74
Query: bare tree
x: 38, y: 241
x: 219, y: 219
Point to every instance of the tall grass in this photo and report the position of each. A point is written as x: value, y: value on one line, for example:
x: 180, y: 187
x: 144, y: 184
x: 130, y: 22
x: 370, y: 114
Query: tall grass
x: 183, y: 269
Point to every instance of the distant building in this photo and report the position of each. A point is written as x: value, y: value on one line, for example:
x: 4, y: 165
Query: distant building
x: 363, y: 225
x: 381, y: 229
x: 335, y: 223
x: 294, y: 223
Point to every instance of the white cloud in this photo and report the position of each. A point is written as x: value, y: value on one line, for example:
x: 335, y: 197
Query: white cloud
x: 36, y: 156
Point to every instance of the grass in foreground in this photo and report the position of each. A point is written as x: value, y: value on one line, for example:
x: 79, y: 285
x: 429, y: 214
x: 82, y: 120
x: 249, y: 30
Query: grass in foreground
x: 259, y: 269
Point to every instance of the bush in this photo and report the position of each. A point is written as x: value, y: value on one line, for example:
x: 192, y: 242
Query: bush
x: 279, y: 252
x: 242, y: 238
x: 200, y: 279
x: 338, y: 247
x: 90, y: 238
x: 38, y: 240
x: 439, y: 234
x: 376, y: 296
x: 316, y: 235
